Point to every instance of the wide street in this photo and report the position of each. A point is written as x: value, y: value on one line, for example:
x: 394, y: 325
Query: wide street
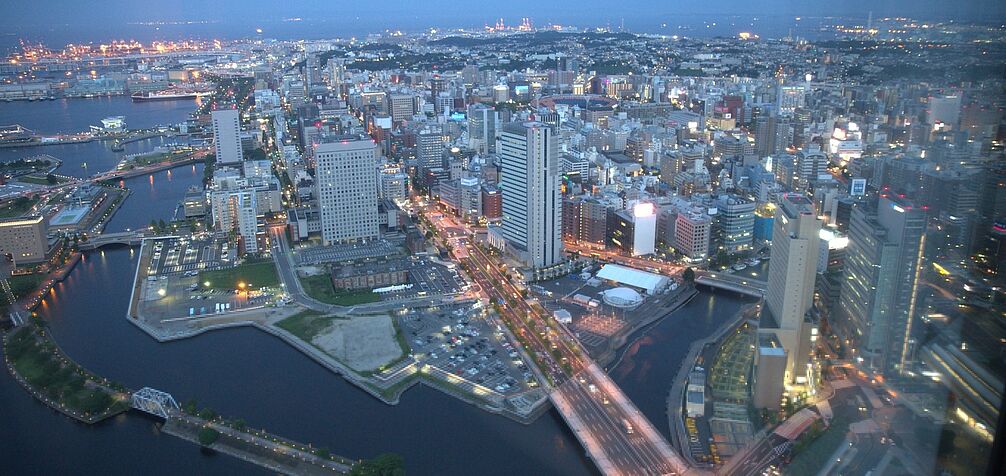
x: 618, y: 437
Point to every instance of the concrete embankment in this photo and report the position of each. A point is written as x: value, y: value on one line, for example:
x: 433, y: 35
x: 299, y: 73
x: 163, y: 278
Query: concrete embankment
x: 675, y: 399
x: 261, y: 449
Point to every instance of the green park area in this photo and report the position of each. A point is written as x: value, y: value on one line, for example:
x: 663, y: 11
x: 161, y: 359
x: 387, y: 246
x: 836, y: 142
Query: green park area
x: 306, y: 324
x: 23, y: 284
x: 815, y: 447
x: 158, y: 157
x: 17, y: 207
x: 250, y: 275
x: 48, y: 179
x: 320, y: 287
x: 49, y: 372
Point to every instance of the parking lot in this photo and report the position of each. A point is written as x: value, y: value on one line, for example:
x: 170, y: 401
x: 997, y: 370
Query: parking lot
x: 171, y: 288
x: 458, y: 339
x: 428, y: 278
x: 174, y: 256
x: 345, y: 252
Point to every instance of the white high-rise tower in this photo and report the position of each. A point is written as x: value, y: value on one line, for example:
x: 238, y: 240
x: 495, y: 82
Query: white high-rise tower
x: 532, y: 205
x: 227, y: 136
x: 346, y: 185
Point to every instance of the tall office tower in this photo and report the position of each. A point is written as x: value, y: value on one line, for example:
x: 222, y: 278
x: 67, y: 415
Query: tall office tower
x: 790, y: 98
x: 429, y: 148
x: 734, y: 223
x: 670, y: 166
x: 336, y: 73
x: 764, y: 130
x: 403, y: 107
x: 791, y: 273
x: 809, y: 165
x: 346, y: 187
x: 878, y: 300
x: 437, y: 86
x: 532, y: 205
x: 312, y: 71
x: 482, y: 128
x: 236, y: 211
x: 227, y: 136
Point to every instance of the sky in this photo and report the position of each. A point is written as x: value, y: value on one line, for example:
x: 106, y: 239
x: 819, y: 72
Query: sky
x: 64, y: 20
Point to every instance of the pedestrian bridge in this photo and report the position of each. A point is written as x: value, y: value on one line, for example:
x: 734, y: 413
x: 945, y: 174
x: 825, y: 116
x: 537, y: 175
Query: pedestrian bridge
x: 154, y: 402
x: 729, y: 282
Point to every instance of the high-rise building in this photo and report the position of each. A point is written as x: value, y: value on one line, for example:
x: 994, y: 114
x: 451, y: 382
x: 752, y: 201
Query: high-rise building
x: 532, y: 204
x: 482, y: 120
x: 346, y: 187
x: 878, y: 299
x: 790, y: 98
x: 429, y: 149
x: 734, y: 223
x: 236, y: 211
x: 227, y: 136
x: 403, y: 107
x: 634, y: 231
x: 492, y: 202
x: 336, y: 74
x: 24, y: 238
x: 791, y: 275
x: 692, y: 232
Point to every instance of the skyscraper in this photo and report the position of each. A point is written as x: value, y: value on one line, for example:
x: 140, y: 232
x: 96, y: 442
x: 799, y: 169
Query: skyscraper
x: 878, y: 299
x: 227, y: 136
x: 346, y: 186
x: 791, y: 274
x: 482, y: 128
x: 429, y: 149
x: 532, y: 205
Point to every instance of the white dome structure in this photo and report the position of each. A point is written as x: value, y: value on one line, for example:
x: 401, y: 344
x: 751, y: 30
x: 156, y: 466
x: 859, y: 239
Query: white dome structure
x: 622, y: 297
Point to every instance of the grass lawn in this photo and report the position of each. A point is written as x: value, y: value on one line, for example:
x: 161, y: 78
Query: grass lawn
x: 23, y: 284
x: 255, y: 275
x: 17, y: 207
x: 305, y: 325
x: 814, y: 454
x: 34, y: 179
x: 37, y: 360
x: 320, y: 288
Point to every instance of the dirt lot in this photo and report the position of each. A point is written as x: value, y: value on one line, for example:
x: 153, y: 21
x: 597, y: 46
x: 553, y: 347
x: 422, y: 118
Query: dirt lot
x: 364, y: 343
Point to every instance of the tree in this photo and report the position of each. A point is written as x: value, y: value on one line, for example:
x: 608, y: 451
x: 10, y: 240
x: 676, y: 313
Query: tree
x: 688, y: 275
x: 387, y: 464
x: 191, y: 407
x: 207, y: 414
x: 207, y: 436
x: 322, y: 453
x: 51, y: 179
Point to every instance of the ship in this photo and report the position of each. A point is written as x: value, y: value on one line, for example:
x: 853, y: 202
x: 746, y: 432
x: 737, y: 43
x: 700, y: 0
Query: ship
x: 169, y: 95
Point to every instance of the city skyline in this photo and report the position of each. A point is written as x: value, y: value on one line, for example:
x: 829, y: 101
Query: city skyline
x: 507, y: 238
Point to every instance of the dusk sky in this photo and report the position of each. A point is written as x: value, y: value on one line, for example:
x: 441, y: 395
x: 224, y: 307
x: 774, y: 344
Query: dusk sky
x: 18, y: 13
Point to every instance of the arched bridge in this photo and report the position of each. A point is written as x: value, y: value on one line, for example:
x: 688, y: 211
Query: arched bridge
x: 123, y: 238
